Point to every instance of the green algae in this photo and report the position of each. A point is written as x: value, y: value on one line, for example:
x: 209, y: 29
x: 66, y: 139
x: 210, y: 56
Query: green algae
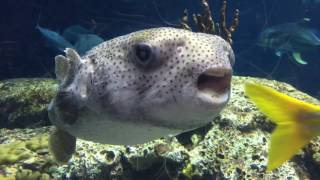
x: 26, y: 174
x: 21, y: 150
x: 31, y: 175
x: 12, y: 153
x: 26, y: 160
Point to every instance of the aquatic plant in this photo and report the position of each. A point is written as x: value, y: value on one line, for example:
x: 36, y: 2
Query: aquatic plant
x: 205, y: 22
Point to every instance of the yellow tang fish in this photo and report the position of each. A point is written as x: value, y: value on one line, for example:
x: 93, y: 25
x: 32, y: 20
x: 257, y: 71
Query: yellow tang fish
x: 297, y: 122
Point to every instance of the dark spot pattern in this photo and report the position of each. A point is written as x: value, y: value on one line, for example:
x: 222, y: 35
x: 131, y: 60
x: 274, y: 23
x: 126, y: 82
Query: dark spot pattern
x: 110, y: 72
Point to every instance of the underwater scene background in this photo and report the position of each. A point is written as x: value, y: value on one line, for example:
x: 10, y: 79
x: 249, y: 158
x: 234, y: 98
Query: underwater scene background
x: 24, y: 51
x: 276, y: 44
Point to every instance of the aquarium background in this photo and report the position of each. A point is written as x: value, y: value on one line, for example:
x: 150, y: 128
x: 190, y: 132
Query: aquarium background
x: 24, y: 53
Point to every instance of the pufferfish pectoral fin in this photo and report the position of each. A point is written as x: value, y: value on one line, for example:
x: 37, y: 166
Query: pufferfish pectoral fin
x: 61, y: 67
x: 62, y: 145
x: 65, y: 66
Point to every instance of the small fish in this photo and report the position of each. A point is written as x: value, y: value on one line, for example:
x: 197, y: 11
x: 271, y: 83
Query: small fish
x: 139, y: 87
x: 297, y: 122
x: 75, y: 37
x: 54, y: 39
x: 291, y: 38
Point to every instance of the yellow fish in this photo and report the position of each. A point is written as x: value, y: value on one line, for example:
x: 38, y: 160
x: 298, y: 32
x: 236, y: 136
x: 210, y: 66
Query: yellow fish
x: 297, y: 122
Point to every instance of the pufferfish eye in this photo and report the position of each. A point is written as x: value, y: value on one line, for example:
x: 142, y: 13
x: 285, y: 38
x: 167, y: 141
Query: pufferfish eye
x: 144, y: 54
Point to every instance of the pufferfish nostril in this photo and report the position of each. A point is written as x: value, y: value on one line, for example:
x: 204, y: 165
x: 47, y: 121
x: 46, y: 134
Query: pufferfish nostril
x: 216, y: 80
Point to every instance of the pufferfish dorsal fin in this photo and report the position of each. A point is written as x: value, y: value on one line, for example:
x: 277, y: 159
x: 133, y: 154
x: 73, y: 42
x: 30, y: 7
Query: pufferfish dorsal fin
x: 65, y: 66
x: 62, y: 145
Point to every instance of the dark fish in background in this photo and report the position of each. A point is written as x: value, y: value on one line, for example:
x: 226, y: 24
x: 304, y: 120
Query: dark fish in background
x: 76, y: 37
x: 82, y: 39
x: 291, y: 38
x: 86, y: 41
x: 72, y: 33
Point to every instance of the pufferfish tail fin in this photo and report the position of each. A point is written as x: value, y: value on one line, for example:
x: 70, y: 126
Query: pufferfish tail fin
x: 295, y: 121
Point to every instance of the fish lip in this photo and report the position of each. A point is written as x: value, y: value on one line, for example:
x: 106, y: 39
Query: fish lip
x: 215, y: 81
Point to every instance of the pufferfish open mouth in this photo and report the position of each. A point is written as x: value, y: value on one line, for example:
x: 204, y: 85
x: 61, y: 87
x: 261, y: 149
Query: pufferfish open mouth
x: 215, y: 81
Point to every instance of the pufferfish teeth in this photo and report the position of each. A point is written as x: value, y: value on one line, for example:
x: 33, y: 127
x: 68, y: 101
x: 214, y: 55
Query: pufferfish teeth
x: 217, y: 72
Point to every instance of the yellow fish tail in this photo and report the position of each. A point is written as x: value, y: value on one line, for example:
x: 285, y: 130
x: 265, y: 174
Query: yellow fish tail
x: 297, y: 122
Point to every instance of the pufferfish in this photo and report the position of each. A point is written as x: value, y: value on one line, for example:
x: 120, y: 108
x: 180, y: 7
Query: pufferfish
x: 139, y: 87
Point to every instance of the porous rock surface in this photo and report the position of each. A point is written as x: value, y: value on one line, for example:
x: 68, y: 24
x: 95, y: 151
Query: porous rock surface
x: 233, y: 146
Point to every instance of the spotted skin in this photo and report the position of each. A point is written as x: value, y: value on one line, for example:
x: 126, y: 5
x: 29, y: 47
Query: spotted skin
x: 142, y: 86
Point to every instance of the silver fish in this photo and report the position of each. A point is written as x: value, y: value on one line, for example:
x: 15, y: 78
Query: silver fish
x: 75, y: 37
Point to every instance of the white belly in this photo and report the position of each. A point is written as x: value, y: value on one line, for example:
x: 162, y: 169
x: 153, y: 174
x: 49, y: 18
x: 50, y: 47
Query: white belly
x: 117, y: 132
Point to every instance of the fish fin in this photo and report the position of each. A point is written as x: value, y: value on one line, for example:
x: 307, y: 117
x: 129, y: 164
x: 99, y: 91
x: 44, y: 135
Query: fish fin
x: 290, y: 115
x: 62, y: 67
x: 304, y: 21
x: 297, y: 57
x: 66, y: 66
x: 61, y: 145
x: 279, y: 53
x: 72, y: 55
x: 286, y: 141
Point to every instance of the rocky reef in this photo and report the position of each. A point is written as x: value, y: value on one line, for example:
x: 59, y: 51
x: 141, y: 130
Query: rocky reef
x: 23, y: 102
x: 233, y: 146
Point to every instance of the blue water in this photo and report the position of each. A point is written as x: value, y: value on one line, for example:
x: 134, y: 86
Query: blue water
x: 23, y: 51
